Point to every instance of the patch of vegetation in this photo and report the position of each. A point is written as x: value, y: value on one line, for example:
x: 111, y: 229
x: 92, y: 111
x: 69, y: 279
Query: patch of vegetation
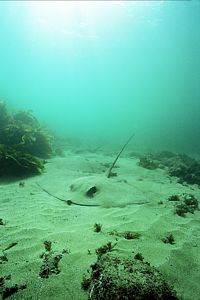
x: 2, y: 222
x: 128, y: 235
x: 47, y: 245
x: 160, y: 202
x: 169, y: 239
x: 139, y: 256
x: 147, y: 162
x: 105, y: 249
x: 3, y: 258
x: 17, y: 163
x: 22, y: 184
x: 23, y: 142
x: 97, y: 227
x: 182, y: 166
x: 174, y: 198
x: 188, y: 204
x: 6, y: 290
x: 131, y: 235
x: 25, y: 134
x: 114, y: 278
x: 187, y: 169
x: 5, y: 118
x: 51, y: 260
x: 50, y: 265
x: 85, y: 284
x: 59, y: 152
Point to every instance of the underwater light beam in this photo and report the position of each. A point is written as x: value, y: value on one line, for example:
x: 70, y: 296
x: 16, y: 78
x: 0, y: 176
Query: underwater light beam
x: 73, y: 16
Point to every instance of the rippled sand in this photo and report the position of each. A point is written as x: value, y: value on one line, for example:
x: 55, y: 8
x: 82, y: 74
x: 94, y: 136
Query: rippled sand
x: 135, y: 200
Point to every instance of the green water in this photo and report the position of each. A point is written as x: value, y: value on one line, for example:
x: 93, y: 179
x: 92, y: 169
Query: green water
x: 101, y: 70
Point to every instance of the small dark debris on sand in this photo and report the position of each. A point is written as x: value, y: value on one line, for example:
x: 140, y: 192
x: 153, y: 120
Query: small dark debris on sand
x: 2, y: 222
x: 97, y: 227
x: 3, y: 258
x: 168, y: 239
x: 128, y: 235
x: 11, y: 245
x: 7, y: 291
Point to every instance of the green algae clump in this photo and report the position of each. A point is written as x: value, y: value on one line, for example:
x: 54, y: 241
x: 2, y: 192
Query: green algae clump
x: 24, y: 143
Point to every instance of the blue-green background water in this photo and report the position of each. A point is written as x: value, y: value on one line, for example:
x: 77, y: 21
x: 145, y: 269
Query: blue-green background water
x: 99, y: 70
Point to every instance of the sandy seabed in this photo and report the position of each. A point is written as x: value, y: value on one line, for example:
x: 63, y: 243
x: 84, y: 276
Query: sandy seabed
x: 136, y: 200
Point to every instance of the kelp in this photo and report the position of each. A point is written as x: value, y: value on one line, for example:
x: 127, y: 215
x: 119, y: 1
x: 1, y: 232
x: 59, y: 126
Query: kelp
x: 23, y: 141
x: 4, y: 117
x: 24, y: 133
x: 17, y: 163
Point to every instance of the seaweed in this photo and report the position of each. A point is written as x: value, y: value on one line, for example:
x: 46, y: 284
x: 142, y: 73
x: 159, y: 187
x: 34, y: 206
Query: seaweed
x: 59, y: 152
x: 187, y: 204
x: 97, y: 227
x: 2, y: 222
x: 17, y: 163
x: 174, y: 198
x: 50, y: 265
x: 47, y: 245
x: 105, y: 249
x: 7, y: 291
x: 187, y: 170
x: 3, y: 258
x: 32, y: 139
x: 182, y: 166
x: 113, y: 277
x: 5, y: 118
x: 51, y: 260
x: 139, y: 256
x: 85, y: 284
x: 24, y: 143
x: 26, y: 117
x: 147, y: 162
x: 128, y: 235
x: 168, y: 239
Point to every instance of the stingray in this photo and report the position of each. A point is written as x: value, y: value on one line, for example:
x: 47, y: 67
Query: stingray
x: 70, y: 202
